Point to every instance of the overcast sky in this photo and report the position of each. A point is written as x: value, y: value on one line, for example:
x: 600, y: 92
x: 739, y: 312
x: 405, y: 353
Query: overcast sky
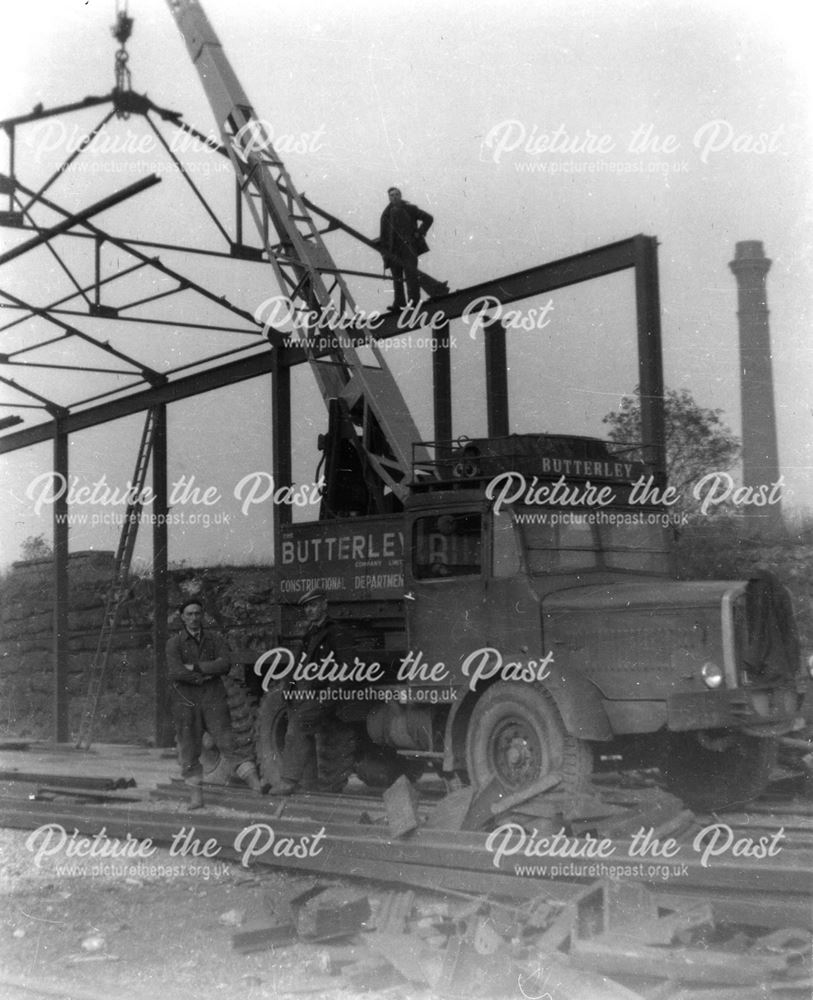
x: 690, y: 122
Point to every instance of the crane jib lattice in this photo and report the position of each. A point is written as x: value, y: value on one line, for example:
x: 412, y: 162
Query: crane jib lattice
x: 303, y: 266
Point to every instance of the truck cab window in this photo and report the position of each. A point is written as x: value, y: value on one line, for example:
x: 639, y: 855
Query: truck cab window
x: 448, y: 545
x: 563, y: 540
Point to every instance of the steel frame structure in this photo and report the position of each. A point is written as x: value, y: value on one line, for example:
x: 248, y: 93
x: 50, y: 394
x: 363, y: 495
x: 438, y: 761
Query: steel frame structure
x: 146, y: 387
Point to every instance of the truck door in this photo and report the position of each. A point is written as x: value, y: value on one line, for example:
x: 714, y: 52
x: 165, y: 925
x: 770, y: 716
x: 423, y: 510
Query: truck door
x: 446, y: 592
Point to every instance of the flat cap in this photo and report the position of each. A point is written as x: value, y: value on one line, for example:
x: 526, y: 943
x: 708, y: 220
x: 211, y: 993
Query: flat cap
x: 315, y: 594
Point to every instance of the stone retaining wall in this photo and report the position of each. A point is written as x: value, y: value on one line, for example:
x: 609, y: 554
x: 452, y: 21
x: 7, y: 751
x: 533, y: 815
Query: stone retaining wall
x: 237, y: 599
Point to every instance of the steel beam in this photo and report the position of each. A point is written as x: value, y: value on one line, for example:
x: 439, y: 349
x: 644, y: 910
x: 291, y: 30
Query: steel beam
x: 638, y: 252
x: 442, y: 385
x: 650, y: 361
x: 573, y: 270
x: 182, y: 388
x: 496, y: 379
x: 47, y: 404
x: 60, y: 635
x: 35, y: 116
x: 163, y: 721
x: 77, y: 218
x: 281, y: 446
x: 155, y: 262
x: 146, y: 373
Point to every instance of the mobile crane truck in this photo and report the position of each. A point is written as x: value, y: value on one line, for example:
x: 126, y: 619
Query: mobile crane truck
x: 512, y: 601
x: 511, y: 640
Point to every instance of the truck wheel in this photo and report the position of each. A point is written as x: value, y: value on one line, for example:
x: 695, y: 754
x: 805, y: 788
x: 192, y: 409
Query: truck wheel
x: 516, y: 735
x: 269, y: 736
x: 717, y: 768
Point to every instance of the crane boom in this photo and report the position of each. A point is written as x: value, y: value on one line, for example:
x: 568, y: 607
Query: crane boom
x: 366, y: 396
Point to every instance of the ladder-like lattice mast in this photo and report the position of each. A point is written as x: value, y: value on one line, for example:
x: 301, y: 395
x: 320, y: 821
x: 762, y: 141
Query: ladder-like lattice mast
x: 304, y: 268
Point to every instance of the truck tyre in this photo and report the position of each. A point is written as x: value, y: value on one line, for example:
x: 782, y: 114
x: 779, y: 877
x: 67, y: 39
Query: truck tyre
x: 242, y: 713
x: 269, y: 736
x: 516, y: 735
x: 715, y: 769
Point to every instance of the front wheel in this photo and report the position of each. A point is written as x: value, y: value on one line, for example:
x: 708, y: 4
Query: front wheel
x: 713, y: 769
x: 517, y: 736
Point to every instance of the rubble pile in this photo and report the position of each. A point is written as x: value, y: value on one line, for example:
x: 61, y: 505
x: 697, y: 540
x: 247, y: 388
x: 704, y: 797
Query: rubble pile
x: 611, y: 942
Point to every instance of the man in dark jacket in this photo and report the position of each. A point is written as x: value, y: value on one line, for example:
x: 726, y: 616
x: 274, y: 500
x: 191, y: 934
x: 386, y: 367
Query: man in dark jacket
x: 311, y: 712
x: 403, y: 231
x: 196, y: 660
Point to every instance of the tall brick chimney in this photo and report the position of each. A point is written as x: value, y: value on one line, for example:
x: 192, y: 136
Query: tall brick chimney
x: 760, y: 455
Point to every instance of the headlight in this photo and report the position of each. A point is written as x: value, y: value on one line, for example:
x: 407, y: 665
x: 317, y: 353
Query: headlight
x: 712, y: 675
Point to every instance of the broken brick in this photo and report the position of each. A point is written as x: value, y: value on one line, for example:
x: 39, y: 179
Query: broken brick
x: 335, y: 913
x: 401, y: 805
x: 258, y: 935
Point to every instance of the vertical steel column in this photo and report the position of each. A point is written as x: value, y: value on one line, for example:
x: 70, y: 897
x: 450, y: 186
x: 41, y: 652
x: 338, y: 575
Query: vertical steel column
x: 281, y: 442
x: 496, y: 379
x: 650, y: 364
x: 442, y: 385
x: 163, y: 733
x: 11, y: 167
x: 60, y: 630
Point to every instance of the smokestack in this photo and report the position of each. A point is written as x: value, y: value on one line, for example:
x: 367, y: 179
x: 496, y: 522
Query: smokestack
x: 760, y: 455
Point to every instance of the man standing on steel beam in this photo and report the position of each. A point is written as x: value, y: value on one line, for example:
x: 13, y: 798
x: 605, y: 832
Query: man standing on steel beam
x: 196, y: 660
x: 403, y: 239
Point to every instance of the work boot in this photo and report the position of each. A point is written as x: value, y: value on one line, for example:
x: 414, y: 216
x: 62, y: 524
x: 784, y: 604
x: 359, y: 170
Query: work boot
x: 284, y: 787
x: 247, y: 772
x: 196, y: 796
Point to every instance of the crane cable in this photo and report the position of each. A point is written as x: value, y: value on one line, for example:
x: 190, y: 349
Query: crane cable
x: 122, y: 30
